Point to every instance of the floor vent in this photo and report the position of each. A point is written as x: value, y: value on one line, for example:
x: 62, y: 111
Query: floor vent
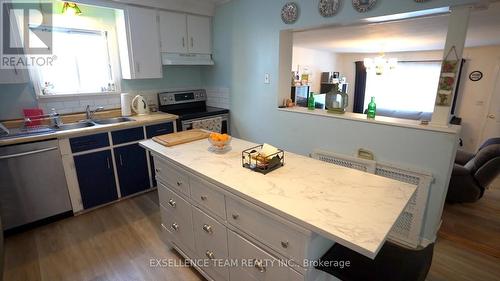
x: 408, y: 228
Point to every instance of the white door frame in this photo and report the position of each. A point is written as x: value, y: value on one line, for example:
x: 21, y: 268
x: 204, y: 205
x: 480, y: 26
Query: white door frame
x: 496, y: 84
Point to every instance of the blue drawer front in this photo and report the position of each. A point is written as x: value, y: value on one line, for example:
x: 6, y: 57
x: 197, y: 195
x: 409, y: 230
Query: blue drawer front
x: 128, y: 135
x: 159, y: 129
x: 89, y: 142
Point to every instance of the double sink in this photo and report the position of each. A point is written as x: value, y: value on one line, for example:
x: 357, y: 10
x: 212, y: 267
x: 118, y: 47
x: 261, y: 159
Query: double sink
x: 91, y: 123
x: 22, y: 132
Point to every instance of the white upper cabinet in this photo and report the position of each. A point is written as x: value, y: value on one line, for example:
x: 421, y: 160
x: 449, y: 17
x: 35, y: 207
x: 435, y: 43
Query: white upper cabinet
x: 139, y: 43
x: 181, y: 33
x: 198, y: 30
x: 173, y: 32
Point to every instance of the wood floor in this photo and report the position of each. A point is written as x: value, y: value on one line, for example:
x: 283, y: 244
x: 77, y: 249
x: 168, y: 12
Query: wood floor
x: 117, y: 242
x: 475, y: 225
x: 112, y: 243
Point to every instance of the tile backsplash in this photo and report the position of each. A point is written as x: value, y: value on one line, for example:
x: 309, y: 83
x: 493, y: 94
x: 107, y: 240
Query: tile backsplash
x: 75, y: 104
x: 218, y: 97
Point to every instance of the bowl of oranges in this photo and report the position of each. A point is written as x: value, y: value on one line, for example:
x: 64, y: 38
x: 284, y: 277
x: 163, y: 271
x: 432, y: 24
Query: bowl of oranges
x: 219, y: 142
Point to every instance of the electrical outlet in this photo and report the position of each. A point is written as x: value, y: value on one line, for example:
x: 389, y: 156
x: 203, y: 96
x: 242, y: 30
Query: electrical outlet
x: 267, y: 78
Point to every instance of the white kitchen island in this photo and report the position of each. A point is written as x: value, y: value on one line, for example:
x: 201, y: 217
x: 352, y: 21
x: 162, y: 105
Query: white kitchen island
x: 213, y: 208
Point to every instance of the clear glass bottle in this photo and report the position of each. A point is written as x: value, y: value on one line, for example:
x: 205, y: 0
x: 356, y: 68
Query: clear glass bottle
x: 311, y: 104
x: 372, y: 109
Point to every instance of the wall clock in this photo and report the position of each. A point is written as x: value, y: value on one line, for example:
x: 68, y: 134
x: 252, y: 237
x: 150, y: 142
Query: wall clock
x: 328, y: 8
x: 363, y: 6
x: 476, y: 76
x: 290, y: 13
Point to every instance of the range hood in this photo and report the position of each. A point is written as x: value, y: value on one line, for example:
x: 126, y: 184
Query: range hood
x: 186, y: 59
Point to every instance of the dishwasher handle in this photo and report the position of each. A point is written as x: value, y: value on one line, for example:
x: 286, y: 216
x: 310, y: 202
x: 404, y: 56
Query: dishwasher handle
x: 27, y: 153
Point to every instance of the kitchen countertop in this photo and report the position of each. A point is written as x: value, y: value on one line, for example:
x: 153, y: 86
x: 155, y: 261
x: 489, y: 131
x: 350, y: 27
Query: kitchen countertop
x: 142, y: 120
x: 383, y: 120
x: 350, y: 207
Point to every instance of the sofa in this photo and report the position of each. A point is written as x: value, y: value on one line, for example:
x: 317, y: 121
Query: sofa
x: 412, y: 115
x: 472, y: 173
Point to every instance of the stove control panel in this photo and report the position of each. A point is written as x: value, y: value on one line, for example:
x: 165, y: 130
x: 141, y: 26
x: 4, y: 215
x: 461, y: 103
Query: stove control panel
x: 169, y: 98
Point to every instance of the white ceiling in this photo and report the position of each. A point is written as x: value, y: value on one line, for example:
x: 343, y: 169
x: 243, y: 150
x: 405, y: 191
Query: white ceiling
x: 420, y: 34
x: 216, y: 2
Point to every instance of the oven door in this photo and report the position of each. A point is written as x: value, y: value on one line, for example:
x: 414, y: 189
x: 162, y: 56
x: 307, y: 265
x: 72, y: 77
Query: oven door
x: 188, y: 124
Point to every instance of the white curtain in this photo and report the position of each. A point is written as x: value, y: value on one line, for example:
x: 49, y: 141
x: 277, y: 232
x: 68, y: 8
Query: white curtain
x: 411, y: 86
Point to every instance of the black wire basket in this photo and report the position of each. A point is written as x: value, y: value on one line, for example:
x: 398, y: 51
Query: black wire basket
x: 252, y: 160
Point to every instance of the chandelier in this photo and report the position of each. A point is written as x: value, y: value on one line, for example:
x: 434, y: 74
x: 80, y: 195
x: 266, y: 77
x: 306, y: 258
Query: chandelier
x: 380, y: 64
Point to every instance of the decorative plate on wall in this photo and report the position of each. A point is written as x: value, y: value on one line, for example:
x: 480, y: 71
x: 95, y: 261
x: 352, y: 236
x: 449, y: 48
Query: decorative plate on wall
x: 421, y: 1
x: 363, y: 6
x: 290, y: 13
x: 328, y: 8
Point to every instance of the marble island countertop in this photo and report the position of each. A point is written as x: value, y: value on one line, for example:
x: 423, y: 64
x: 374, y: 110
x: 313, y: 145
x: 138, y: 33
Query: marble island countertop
x: 353, y: 208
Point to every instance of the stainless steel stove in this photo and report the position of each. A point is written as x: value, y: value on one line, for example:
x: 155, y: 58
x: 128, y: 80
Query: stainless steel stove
x: 191, y: 106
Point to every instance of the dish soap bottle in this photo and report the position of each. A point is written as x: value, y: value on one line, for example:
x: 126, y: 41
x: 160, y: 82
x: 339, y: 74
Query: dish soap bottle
x: 310, y: 102
x: 372, y: 109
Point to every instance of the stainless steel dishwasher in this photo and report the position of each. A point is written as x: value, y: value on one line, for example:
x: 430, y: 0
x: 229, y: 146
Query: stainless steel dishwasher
x: 32, y: 184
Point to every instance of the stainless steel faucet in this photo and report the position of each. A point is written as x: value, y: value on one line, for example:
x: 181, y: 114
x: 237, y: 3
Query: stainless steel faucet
x: 91, y: 113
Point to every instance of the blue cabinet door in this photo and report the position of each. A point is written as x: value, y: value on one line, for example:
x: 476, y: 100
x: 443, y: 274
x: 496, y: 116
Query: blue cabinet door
x: 132, y: 167
x: 96, y: 178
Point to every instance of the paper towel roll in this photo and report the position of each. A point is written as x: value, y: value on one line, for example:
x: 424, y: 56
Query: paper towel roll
x: 126, y: 101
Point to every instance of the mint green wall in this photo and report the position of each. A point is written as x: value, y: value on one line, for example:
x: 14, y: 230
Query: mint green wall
x: 15, y: 97
x: 246, y: 46
x: 173, y: 77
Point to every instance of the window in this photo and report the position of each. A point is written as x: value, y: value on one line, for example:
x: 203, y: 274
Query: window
x: 412, y: 86
x: 82, y: 63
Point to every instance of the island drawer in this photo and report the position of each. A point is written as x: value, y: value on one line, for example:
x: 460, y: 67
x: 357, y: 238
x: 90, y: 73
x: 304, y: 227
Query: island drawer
x: 210, y: 239
x: 179, y: 228
x: 207, y: 196
x: 172, y: 176
x: 268, y: 229
x: 173, y: 202
x: 260, y: 265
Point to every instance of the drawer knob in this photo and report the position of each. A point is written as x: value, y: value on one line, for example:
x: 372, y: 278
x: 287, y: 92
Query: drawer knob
x: 179, y: 183
x: 208, y: 228
x: 259, y: 265
x: 172, y: 203
x: 284, y: 244
x: 235, y: 216
x: 210, y: 255
x: 203, y: 198
x: 175, y: 226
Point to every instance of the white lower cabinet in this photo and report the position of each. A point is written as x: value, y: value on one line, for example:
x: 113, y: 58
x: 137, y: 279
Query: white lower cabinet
x: 180, y: 228
x: 211, y: 242
x: 245, y: 244
x: 259, y: 264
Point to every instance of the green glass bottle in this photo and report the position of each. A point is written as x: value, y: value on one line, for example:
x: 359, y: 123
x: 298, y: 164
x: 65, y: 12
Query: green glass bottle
x: 372, y: 109
x: 310, y: 102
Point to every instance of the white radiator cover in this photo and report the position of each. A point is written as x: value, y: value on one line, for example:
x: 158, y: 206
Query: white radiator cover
x: 408, y: 228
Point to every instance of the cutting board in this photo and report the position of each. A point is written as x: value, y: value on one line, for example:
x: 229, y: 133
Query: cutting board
x: 181, y: 137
